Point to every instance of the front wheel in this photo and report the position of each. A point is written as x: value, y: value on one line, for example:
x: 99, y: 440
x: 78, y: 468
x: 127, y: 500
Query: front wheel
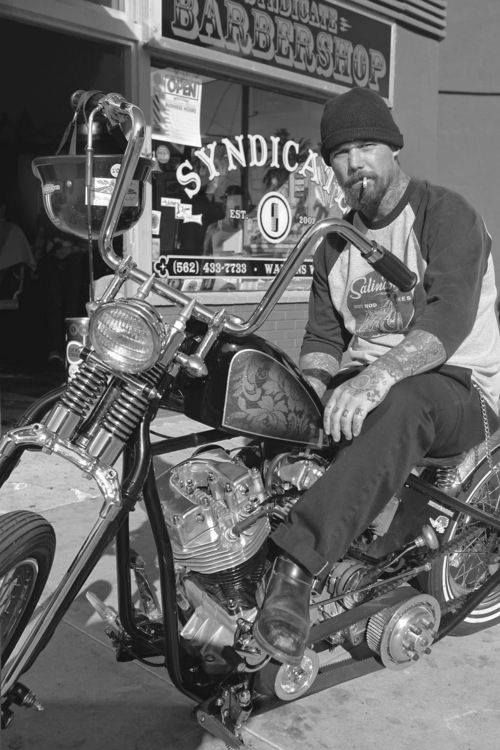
x: 466, y: 569
x: 27, y: 546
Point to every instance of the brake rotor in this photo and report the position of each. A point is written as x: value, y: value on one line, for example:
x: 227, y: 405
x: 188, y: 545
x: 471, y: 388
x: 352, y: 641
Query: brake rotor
x: 402, y: 634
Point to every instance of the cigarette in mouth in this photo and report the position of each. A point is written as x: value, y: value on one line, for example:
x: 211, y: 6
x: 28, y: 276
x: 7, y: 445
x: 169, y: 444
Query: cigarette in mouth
x: 365, y: 183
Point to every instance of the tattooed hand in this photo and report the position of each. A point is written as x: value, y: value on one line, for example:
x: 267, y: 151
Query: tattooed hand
x: 350, y: 402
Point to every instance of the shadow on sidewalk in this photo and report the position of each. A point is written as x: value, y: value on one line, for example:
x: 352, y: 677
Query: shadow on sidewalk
x: 19, y: 389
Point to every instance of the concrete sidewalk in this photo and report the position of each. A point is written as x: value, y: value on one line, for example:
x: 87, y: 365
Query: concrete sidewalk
x: 446, y: 702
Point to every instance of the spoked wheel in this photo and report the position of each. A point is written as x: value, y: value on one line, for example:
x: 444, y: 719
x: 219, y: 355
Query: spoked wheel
x: 466, y: 569
x: 27, y: 546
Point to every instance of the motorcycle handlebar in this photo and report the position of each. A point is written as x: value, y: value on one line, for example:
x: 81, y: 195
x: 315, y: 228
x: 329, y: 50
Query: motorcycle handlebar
x: 391, y: 268
x: 114, y: 106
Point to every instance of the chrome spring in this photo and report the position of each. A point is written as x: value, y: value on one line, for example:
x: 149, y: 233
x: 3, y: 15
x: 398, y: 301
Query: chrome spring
x: 125, y: 413
x: 153, y: 375
x: 446, y: 476
x: 85, y: 388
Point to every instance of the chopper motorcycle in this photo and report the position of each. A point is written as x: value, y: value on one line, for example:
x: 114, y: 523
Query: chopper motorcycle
x: 427, y: 566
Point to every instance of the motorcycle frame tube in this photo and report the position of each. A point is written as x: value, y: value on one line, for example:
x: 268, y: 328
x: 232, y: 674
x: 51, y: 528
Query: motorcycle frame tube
x: 193, y: 440
x: 172, y: 648
x: 172, y: 644
x: 452, y: 503
x: 92, y: 549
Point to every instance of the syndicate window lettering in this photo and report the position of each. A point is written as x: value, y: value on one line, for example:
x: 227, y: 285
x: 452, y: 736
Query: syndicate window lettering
x: 255, y: 151
x: 303, y: 35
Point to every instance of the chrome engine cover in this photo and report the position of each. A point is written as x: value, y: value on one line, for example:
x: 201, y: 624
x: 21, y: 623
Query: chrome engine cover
x: 202, y: 500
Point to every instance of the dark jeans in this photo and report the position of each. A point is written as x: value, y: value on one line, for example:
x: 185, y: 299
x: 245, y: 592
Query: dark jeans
x: 436, y: 413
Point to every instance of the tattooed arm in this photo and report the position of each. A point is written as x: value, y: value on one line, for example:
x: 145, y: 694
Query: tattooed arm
x: 318, y: 368
x: 349, y: 404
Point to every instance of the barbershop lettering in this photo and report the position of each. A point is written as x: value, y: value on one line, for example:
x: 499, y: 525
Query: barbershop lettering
x: 313, y: 38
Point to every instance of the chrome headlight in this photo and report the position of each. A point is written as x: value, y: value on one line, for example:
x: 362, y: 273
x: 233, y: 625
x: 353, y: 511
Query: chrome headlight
x: 127, y: 335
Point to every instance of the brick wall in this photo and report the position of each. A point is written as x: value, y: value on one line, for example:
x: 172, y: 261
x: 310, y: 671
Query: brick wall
x: 284, y: 327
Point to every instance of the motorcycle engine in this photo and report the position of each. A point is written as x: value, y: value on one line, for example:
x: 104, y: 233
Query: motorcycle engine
x: 205, y: 500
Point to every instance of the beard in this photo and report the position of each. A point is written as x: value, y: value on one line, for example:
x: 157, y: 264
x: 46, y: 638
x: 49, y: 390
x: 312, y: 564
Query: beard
x: 365, y: 199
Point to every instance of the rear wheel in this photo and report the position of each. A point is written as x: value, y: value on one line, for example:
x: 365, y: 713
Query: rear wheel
x: 466, y: 569
x: 27, y: 546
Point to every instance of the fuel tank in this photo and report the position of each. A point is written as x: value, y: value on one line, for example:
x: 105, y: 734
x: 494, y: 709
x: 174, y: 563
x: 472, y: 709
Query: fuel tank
x: 253, y: 388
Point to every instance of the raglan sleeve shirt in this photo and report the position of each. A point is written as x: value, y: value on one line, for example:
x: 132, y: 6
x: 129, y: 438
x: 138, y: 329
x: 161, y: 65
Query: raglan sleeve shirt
x: 456, y: 247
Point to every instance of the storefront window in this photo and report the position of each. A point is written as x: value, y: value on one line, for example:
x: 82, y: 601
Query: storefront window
x: 238, y: 178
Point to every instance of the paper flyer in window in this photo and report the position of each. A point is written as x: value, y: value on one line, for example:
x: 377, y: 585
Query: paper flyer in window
x: 176, y: 99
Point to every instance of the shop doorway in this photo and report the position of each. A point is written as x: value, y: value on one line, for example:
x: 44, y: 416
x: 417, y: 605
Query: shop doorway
x: 46, y: 67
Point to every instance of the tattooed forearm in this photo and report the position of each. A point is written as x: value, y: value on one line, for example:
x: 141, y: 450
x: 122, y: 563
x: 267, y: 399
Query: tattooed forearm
x: 420, y: 351
x: 318, y: 368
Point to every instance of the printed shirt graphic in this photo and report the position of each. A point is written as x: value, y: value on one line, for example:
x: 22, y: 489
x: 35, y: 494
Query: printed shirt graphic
x: 376, y: 312
x: 378, y: 307
x: 443, y: 240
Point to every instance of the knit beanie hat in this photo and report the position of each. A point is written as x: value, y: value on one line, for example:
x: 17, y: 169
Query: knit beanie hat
x: 358, y: 115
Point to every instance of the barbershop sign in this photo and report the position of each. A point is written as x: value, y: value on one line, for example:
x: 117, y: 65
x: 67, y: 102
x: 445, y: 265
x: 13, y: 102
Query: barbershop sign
x: 322, y: 40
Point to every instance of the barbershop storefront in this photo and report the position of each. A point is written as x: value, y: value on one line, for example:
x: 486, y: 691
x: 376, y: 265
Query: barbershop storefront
x: 238, y: 175
x: 238, y: 88
x: 233, y: 92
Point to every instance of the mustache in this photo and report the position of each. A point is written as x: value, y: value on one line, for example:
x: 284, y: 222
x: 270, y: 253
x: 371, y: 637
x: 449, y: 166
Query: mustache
x: 358, y: 177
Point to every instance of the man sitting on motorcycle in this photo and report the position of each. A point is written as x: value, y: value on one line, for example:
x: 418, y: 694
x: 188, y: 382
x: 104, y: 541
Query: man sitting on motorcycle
x: 423, y: 370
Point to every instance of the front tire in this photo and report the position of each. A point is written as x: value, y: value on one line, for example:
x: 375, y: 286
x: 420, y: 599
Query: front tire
x: 462, y: 572
x: 27, y: 547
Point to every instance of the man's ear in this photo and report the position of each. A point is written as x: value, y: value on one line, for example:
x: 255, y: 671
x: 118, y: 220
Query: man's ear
x: 395, y: 152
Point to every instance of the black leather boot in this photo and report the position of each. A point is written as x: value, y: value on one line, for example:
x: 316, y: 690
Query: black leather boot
x: 281, y: 627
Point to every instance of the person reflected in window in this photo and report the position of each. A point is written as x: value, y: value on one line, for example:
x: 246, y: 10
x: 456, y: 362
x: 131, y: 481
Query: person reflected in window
x: 225, y: 237
x: 15, y: 255
x: 205, y: 205
x: 164, y: 185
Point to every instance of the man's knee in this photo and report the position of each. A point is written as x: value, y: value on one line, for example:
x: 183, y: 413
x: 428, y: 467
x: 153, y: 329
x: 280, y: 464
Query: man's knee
x: 406, y: 397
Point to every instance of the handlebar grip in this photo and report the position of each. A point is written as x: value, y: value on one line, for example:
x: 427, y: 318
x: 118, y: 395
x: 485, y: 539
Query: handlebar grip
x: 394, y: 270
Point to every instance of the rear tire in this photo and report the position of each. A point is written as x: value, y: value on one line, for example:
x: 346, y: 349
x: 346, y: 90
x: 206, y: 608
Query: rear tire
x: 463, y: 571
x: 27, y: 547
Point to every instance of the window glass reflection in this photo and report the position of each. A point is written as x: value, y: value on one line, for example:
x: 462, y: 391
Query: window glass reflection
x: 226, y: 213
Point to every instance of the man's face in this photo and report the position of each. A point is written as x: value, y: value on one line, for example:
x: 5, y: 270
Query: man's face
x: 163, y: 154
x: 356, y: 160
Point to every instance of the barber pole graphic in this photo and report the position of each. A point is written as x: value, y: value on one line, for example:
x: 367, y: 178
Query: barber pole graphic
x: 274, y: 217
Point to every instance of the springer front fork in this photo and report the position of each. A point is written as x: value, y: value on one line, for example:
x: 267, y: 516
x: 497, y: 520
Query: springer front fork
x: 70, y: 430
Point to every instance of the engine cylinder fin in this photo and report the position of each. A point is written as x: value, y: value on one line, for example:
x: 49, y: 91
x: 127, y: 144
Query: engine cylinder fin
x: 235, y: 588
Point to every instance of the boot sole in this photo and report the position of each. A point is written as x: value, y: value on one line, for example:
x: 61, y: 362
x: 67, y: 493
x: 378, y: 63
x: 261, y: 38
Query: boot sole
x: 274, y: 652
